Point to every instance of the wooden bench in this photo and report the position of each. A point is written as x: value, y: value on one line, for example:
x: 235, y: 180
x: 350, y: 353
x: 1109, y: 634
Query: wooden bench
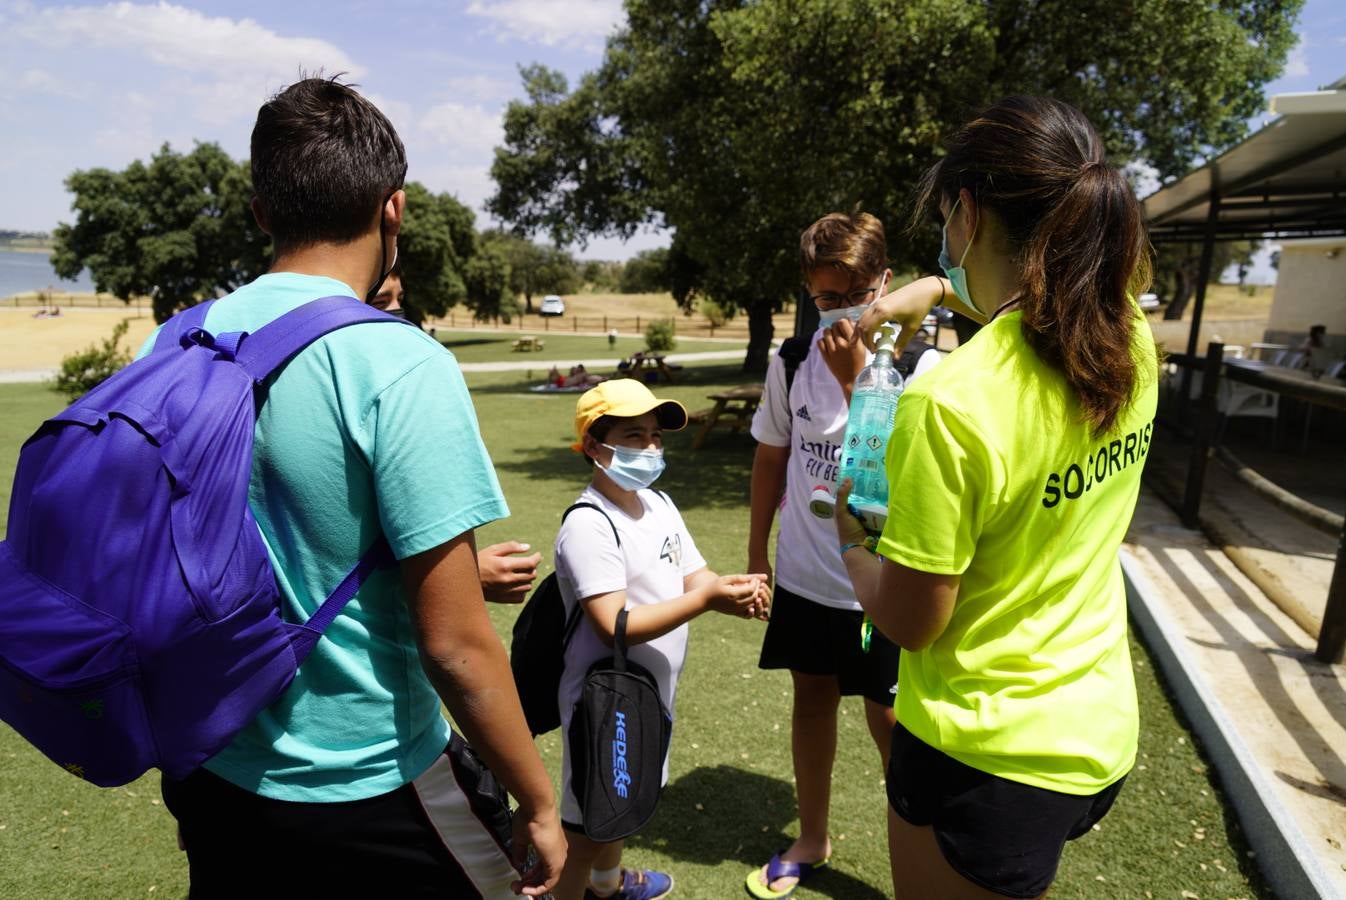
x: 528, y: 344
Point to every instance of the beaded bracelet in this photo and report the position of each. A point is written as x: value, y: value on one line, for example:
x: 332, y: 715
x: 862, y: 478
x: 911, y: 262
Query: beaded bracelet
x: 848, y: 547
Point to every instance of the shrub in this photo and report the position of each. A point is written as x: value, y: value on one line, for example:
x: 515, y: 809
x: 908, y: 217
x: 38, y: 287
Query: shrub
x: 661, y: 336
x: 716, y: 314
x: 83, y: 371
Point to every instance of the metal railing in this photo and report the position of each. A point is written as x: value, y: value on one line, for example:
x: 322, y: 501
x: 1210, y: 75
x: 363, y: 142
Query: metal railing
x: 1332, y: 633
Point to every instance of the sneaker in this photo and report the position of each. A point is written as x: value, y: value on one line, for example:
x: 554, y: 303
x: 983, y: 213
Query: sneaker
x: 638, y: 884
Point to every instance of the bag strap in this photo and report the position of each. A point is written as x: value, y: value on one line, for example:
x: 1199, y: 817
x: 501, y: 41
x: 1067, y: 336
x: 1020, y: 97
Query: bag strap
x: 305, y: 637
x: 792, y: 352
x: 911, y: 356
x: 619, y: 643
x: 171, y: 332
x: 576, y: 614
x: 272, y: 345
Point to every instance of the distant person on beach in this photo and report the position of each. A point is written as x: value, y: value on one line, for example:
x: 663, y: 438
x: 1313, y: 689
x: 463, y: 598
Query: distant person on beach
x: 1013, y: 473
x: 353, y: 782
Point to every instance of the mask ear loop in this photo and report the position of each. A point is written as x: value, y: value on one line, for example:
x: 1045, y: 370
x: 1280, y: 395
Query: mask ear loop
x: 383, y: 252
x: 972, y: 237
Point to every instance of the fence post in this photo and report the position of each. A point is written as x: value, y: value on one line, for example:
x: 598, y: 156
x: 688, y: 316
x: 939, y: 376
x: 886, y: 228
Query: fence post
x: 576, y: 322
x: 546, y: 323
x: 637, y: 324
x: 605, y: 323
x: 1207, y: 422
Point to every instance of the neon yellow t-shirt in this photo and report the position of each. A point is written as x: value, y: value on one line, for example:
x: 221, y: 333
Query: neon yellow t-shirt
x: 995, y: 476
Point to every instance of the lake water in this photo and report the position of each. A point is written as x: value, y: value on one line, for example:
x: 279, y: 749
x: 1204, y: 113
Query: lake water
x: 22, y: 271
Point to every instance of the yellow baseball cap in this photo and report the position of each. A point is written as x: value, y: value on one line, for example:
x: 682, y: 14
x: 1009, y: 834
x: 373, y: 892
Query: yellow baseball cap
x: 624, y: 397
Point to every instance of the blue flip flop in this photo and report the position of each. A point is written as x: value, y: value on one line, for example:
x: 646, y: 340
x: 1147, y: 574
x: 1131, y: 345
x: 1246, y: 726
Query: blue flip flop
x: 777, y: 869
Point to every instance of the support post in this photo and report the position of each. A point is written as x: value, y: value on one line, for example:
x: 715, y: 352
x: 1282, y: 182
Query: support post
x: 1207, y: 423
x: 1202, y: 278
x: 1332, y: 634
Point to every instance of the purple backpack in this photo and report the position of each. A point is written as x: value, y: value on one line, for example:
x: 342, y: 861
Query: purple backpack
x: 140, y: 622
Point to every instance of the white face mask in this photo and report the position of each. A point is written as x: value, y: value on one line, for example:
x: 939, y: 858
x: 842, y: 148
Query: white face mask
x: 828, y: 318
x: 631, y: 469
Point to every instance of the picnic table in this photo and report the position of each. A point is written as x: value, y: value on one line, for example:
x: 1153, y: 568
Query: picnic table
x: 529, y: 343
x: 733, y: 409
x: 647, y: 367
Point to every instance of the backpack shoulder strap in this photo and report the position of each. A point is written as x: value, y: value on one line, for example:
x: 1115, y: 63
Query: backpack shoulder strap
x: 272, y: 345
x: 793, y: 351
x: 171, y: 332
x: 911, y: 355
x: 576, y: 614
x: 379, y: 556
x: 583, y: 504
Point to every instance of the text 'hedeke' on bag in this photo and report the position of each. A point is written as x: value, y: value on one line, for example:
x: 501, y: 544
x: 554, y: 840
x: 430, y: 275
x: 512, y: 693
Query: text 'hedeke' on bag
x: 619, y: 736
x: 140, y: 620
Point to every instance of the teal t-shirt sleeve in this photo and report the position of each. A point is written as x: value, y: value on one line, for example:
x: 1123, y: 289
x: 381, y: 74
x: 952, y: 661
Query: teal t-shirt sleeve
x: 936, y: 484
x: 432, y: 475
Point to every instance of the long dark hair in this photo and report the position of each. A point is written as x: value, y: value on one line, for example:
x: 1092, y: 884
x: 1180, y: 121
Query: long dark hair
x: 1076, y: 232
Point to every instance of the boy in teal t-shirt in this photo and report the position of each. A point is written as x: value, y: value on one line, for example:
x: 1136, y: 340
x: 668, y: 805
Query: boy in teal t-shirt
x: 353, y: 770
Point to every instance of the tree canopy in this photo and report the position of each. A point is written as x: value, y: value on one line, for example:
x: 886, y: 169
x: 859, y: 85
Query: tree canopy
x: 180, y: 229
x: 177, y: 229
x: 535, y: 268
x: 737, y: 123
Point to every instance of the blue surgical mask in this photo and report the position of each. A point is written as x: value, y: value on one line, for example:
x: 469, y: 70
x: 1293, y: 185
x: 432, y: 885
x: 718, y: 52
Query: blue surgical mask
x: 830, y: 317
x: 957, y: 275
x: 632, y: 469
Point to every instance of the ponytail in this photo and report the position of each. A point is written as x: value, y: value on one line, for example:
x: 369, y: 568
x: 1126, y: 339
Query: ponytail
x: 1078, y: 237
x: 1078, y: 271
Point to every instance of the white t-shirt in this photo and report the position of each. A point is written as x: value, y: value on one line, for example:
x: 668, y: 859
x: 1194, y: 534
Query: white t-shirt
x: 656, y: 553
x: 811, y: 422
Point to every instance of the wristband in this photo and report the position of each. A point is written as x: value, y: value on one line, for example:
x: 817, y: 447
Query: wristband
x: 940, y: 301
x: 847, y: 547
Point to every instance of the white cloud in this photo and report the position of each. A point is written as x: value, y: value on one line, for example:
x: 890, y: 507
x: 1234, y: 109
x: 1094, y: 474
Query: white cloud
x: 471, y: 184
x: 1297, y: 66
x: 40, y: 81
x: 471, y: 131
x: 184, y: 39
x: 479, y: 88
x: 576, y: 23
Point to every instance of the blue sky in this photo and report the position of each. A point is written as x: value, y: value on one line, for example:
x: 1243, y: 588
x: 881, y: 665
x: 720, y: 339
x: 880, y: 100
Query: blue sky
x: 104, y: 84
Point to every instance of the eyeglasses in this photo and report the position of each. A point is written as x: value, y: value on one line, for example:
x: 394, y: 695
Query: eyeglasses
x: 830, y: 300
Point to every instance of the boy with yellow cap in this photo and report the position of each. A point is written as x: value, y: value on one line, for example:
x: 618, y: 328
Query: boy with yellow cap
x: 632, y: 552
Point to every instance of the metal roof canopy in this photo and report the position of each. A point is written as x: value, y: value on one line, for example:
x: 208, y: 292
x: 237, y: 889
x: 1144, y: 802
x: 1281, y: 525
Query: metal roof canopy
x: 1287, y: 180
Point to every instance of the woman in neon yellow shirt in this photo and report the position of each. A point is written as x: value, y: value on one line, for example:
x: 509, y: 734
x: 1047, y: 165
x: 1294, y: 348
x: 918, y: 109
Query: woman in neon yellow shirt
x: 1020, y: 459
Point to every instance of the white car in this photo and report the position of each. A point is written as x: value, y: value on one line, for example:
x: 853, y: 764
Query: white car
x: 1148, y: 301
x: 552, y: 305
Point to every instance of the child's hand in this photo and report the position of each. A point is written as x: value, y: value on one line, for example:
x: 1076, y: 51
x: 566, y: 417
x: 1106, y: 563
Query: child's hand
x: 737, y: 595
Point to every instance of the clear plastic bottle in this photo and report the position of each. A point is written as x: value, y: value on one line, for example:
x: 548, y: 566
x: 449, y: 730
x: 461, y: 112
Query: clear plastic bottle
x: 870, y: 424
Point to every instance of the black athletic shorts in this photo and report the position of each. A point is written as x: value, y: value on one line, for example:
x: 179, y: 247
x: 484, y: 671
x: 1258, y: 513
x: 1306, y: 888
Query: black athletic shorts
x: 445, y: 834
x: 807, y: 637
x: 1005, y: 836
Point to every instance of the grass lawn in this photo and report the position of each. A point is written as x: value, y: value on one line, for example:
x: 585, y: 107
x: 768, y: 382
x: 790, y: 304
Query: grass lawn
x: 472, y: 346
x: 729, y: 804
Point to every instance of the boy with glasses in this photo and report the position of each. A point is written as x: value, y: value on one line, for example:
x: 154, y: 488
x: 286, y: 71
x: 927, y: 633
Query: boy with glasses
x: 814, y: 629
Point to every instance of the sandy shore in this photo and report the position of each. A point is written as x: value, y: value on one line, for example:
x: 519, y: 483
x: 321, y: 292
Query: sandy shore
x: 29, y: 344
